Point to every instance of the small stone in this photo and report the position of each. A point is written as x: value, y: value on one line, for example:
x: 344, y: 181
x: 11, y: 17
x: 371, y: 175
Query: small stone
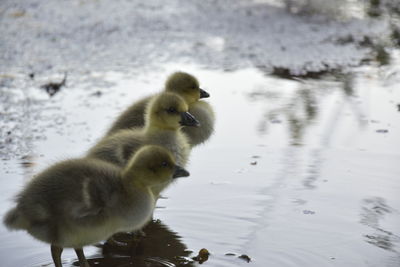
x: 230, y: 254
x: 202, y: 256
x: 204, y: 252
x: 245, y: 258
x: 308, y: 212
x: 97, y: 93
x: 18, y: 14
x: 382, y: 131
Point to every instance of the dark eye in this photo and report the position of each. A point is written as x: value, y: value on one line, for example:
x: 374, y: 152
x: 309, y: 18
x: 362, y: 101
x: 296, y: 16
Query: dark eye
x: 164, y: 164
x: 171, y: 110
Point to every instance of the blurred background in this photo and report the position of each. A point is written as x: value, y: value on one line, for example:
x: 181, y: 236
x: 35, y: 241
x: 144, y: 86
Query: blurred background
x: 302, y: 169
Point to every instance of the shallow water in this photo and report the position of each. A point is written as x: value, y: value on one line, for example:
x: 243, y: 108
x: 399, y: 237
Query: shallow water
x: 298, y: 172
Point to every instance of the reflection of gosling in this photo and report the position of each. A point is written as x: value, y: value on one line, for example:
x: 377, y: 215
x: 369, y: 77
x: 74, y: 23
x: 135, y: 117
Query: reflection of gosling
x: 188, y: 88
x: 165, y: 115
x: 83, y: 201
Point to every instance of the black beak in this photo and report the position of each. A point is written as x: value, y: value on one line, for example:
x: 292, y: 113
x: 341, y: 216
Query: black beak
x: 204, y: 94
x: 187, y: 119
x: 180, y: 172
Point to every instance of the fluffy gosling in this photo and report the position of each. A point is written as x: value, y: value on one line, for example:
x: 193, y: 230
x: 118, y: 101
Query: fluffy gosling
x: 83, y: 201
x: 165, y: 115
x: 186, y: 86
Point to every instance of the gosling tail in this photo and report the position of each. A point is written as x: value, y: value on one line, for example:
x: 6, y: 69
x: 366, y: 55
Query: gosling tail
x: 14, y: 220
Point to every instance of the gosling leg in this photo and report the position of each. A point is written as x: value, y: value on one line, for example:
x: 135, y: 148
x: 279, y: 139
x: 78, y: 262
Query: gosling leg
x: 81, y: 257
x: 56, y: 255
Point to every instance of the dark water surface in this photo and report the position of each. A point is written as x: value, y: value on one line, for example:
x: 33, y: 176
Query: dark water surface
x: 298, y: 172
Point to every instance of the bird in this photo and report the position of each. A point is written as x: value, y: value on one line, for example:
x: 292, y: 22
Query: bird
x: 204, y: 113
x: 165, y: 115
x: 82, y: 201
x: 186, y: 86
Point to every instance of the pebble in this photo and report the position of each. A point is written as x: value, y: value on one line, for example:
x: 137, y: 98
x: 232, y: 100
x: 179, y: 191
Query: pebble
x: 382, y: 131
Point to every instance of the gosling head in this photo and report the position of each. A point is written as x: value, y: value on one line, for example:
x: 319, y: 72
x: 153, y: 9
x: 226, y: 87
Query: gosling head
x: 152, y: 165
x: 185, y: 85
x: 169, y: 111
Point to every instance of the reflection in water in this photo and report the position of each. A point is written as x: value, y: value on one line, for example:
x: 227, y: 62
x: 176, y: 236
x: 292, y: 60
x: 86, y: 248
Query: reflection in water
x: 317, y: 157
x: 383, y: 240
x: 301, y: 111
x: 158, y: 247
x: 349, y: 97
x: 314, y: 169
x: 373, y: 211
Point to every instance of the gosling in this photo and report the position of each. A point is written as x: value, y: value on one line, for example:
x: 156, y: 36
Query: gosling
x: 82, y: 201
x: 165, y: 115
x: 186, y: 86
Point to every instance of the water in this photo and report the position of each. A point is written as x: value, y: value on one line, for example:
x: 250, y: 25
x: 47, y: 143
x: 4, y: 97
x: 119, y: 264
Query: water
x: 298, y: 172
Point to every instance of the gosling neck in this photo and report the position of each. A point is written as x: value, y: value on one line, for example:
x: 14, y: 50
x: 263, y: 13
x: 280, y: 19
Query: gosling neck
x: 132, y: 184
x: 189, y: 100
